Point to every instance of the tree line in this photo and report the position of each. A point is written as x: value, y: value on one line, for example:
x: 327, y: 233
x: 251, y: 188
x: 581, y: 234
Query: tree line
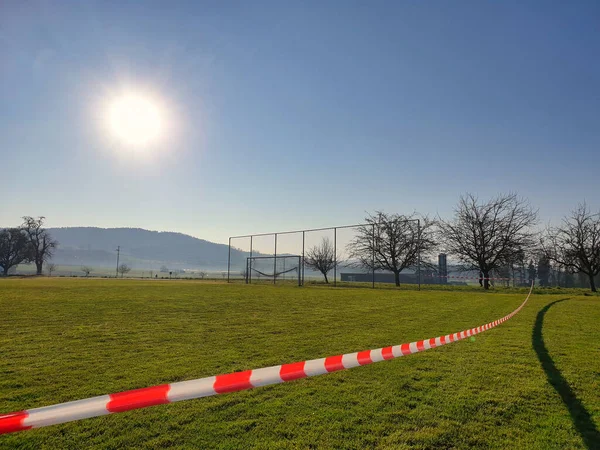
x: 28, y: 243
x: 491, y: 237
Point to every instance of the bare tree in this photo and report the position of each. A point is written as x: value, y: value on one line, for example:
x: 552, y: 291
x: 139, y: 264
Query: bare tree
x: 321, y: 258
x: 14, y: 248
x: 392, y: 242
x: 123, y: 269
x: 87, y: 270
x: 202, y: 274
x: 50, y: 267
x: 575, y: 245
x: 42, y: 244
x: 489, y: 236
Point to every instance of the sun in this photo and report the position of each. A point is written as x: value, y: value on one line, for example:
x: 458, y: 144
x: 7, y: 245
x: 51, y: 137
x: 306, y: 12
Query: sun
x: 135, y: 120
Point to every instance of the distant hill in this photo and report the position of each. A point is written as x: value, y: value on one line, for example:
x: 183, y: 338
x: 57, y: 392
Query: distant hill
x: 139, y: 247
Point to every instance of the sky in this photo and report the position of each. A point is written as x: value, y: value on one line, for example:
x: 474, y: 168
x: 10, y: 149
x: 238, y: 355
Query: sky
x: 289, y: 115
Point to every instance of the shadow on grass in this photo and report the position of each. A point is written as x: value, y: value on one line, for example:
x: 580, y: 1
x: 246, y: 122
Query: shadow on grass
x: 581, y: 417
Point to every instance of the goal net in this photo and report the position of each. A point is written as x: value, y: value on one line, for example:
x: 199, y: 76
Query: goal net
x: 274, y: 269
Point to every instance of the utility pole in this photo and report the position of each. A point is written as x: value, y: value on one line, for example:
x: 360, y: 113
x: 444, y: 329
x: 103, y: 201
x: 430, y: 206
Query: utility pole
x: 118, y: 252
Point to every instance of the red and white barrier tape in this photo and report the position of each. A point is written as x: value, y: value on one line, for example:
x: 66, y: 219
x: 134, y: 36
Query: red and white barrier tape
x: 221, y: 384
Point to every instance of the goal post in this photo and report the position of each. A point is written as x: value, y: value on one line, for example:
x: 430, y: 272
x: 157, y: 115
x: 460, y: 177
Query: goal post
x: 274, y: 268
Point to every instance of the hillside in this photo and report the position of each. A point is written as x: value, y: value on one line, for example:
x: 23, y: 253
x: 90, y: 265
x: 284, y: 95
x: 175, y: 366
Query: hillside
x: 143, y: 248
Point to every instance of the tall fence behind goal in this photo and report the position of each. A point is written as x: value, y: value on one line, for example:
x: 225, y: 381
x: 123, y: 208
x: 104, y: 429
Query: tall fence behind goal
x: 273, y: 257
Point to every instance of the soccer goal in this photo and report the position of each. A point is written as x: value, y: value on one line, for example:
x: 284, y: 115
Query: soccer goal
x: 274, y: 269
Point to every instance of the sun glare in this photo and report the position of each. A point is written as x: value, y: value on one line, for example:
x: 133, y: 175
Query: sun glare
x: 135, y: 120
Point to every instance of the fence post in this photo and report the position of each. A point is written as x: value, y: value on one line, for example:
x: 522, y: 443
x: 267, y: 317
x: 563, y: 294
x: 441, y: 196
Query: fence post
x: 303, y: 257
x: 228, y: 260
x: 334, y: 256
x: 249, y: 268
x: 373, y: 257
x: 419, y: 250
x: 275, y: 262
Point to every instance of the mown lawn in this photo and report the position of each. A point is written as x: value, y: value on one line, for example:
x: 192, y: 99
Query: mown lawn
x: 533, y: 382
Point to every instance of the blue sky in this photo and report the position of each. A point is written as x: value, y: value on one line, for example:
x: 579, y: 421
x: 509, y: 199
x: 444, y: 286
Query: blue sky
x: 289, y: 115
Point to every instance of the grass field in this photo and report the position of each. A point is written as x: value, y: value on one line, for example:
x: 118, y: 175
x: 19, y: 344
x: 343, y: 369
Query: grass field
x: 533, y: 382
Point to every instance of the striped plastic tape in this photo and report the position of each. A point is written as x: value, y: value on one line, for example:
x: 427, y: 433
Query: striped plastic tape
x: 221, y: 384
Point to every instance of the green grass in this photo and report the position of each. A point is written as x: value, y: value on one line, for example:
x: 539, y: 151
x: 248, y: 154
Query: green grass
x: 67, y: 339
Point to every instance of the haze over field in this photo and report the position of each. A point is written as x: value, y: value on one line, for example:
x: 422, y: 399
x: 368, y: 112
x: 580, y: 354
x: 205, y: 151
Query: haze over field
x: 142, y: 249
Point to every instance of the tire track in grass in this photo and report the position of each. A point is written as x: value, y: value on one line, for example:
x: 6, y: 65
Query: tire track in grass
x: 580, y: 416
